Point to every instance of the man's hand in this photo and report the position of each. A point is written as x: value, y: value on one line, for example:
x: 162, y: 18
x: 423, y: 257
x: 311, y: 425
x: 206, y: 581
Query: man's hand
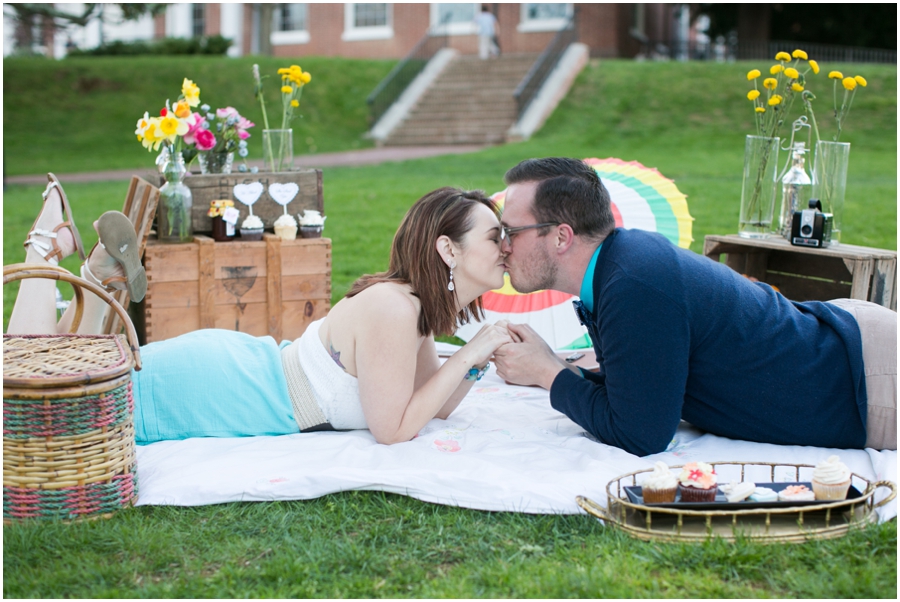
x: 529, y: 360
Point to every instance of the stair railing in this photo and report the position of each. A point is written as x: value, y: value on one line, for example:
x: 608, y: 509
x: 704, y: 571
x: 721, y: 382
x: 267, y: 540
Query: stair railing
x: 392, y: 86
x: 543, y: 66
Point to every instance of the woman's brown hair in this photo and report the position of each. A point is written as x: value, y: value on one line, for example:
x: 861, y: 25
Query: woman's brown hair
x: 415, y: 260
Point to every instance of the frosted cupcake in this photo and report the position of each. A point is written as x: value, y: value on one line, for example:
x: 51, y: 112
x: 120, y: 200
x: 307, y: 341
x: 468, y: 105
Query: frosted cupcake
x: 311, y: 224
x: 796, y: 493
x: 286, y: 227
x: 698, y: 482
x: 831, y: 479
x: 660, y: 485
x: 252, y: 228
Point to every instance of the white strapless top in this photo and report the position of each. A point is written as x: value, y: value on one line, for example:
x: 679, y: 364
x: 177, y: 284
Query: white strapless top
x: 337, y: 392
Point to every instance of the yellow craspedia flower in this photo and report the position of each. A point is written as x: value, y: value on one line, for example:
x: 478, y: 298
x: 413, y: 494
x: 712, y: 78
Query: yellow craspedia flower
x: 760, y: 109
x: 284, y: 71
x: 782, y: 56
x: 796, y: 87
x: 815, y: 66
x: 861, y: 80
x: 286, y: 89
x: 775, y: 100
x: 306, y: 77
x: 751, y: 75
x: 799, y: 54
x: 836, y: 75
x: 849, y: 83
x: 295, y: 103
x: 770, y: 83
x: 791, y: 73
x: 752, y: 94
x: 776, y: 69
x: 191, y: 92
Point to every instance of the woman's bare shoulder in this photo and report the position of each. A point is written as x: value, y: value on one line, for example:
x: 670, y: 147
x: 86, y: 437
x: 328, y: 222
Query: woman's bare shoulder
x: 390, y: 299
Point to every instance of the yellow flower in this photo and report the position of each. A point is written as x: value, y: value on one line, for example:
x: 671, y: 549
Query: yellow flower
x: 286, y: 89
x: 815, y: 66
x: 169, y: 127
x: 791, y: 73
x: 782, y: 56
x: 776, y: 69
x: 836, y: 75
x: 182, y: 109
x: 799, y: 54
x: 770, y: 83
x: 796, y: 87
x: 284, y: 71
x: 306, y: 77
x: 752, y: 94
x: 151, y: 134
x: 295, y: 103
x: 751, y: 75
x: 760, y: 109
x: 142, y: 124
x: 191, y: 92
x: 849, y: 83
x: 775, y: 100
x: 861, y: 80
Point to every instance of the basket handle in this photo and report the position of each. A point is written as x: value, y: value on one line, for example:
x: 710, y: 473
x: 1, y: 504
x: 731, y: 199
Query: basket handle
x: 890, y: 485
x: 24, y: 271
x: 592, y: 507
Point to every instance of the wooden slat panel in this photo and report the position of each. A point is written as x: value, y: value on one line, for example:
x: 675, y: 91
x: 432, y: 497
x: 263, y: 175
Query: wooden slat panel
x: 797, y: 288
x: 828, y: 268
x: 170, y: 322
x: 206, y: 285
x: 297, y: 316
x: 273, y: 285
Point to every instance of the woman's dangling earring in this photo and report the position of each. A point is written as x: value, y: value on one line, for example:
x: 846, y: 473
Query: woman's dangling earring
x: 451, y: 286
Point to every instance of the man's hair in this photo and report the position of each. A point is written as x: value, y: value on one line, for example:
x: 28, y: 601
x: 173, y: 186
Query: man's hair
x: 569, y: 191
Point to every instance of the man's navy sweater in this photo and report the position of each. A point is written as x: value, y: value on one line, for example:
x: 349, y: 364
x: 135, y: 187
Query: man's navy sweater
x: 678, y: 335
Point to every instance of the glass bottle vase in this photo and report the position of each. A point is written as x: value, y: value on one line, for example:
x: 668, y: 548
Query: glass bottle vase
x: 830, y: 181
x: 758, y: 189
x: 175, y: 203
x: 278, y: 150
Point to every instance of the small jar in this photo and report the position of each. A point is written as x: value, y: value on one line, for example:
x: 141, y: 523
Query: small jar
x: 220, y: 228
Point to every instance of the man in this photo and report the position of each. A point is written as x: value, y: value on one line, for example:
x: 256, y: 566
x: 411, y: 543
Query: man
x: 486, y: 23
x: 680, y: 336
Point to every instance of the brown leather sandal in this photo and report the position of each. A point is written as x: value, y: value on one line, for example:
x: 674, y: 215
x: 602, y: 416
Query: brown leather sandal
x: 117, y: 236
x: 51, y: 251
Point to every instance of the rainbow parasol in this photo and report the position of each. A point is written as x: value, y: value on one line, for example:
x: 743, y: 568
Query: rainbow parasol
x: 642, y: 198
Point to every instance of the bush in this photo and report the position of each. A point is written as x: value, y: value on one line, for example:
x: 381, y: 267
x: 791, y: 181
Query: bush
x: 210, y: 45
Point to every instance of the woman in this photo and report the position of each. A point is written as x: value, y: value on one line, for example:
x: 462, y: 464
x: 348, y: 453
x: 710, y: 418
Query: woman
x: 371, y: 363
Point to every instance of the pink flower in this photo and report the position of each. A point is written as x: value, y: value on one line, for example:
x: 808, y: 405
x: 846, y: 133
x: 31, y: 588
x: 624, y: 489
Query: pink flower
x: 206, y: 140
x: 195, y: 124
x: 244, y: 123
x: 226, y: 112
x: 244, y: 134
x: 447, y: 446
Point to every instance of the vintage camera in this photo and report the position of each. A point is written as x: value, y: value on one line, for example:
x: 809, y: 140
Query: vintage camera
x: 811, y: 227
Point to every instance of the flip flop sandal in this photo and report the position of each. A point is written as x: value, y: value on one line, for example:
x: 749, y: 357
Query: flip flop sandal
x: 51, y: 251
x: 118, y: 238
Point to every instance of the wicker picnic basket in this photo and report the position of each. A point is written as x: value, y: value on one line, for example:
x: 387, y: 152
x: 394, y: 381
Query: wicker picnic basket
x: 787, y: 524
x: 68, y: 431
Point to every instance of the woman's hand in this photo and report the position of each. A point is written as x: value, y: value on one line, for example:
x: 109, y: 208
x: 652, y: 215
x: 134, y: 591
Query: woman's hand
x: 479, y: 350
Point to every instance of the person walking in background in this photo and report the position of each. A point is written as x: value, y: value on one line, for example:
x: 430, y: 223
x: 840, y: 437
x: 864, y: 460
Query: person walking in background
x: 487, y: 33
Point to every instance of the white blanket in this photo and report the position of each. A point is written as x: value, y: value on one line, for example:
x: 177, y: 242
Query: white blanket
x: 503, y: 449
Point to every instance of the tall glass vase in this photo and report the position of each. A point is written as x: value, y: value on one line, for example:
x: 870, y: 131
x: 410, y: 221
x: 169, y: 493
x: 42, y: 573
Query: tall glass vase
x: 758, y: 190
x: 175, y: 202
x: 278, y: 150
x: 830, y: 181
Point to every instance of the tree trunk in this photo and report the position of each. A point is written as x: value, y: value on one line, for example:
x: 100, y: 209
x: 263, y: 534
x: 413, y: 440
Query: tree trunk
x: 265, y: 28
x: 754, y: 23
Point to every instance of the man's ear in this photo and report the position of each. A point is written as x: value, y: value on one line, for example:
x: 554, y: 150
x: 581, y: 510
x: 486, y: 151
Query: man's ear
x: 446, y: 249
x: 565, y: 237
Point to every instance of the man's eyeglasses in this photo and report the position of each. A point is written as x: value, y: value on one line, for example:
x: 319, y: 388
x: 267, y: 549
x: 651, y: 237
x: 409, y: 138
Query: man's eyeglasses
x: 507, y: 233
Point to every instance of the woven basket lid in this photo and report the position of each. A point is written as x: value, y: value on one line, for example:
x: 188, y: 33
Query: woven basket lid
x: 50, y: 361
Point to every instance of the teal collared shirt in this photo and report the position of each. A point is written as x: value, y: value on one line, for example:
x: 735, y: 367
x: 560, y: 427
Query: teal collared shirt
x: 587, y: 284
x: 587, y: 287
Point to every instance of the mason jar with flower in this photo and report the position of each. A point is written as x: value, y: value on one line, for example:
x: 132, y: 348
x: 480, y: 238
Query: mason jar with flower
x: 278, y: 144
x: 217, y: 137
x: 771, y: 107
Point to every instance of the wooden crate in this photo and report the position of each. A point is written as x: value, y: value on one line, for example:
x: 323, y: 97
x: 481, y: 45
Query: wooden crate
x: 270, y: 287
x: 808, y: 274
x: 206, y: 188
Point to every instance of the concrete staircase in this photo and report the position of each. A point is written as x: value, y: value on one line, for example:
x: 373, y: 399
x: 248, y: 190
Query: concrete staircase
x: 471, y: 102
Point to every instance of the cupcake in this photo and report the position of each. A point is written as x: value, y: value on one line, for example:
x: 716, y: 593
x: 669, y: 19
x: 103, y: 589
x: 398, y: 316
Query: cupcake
x: 831, y: 479
x: 660, y: 486
x: 311, y: 224
x: 738, y: 492
x: 796, y: 493
x: 252, y: 228
x: 286, y: 227
x: 763, y: 494
x: 698, y: 482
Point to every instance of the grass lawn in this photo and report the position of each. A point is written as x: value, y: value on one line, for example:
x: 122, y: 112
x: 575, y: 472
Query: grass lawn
x: 689, y: 121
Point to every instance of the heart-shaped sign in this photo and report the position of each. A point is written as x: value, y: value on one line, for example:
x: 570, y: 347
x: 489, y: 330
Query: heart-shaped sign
x: 248, y: 193
x: 283, y: 193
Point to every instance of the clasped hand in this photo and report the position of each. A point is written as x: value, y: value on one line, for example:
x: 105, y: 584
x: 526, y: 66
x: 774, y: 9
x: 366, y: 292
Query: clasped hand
x: 527, y: 359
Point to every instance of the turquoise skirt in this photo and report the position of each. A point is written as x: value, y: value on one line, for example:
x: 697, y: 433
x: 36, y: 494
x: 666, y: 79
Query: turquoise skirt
x: 211, y: 383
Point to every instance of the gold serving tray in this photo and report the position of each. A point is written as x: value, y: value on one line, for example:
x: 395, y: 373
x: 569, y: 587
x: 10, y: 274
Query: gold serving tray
x: 792, y: 524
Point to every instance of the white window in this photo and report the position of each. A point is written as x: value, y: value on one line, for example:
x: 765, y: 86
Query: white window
x: 544, y: 16
x: 455, y: 19
x: 289, y: 24
x: 198, y: 20
x: 367, y: 22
